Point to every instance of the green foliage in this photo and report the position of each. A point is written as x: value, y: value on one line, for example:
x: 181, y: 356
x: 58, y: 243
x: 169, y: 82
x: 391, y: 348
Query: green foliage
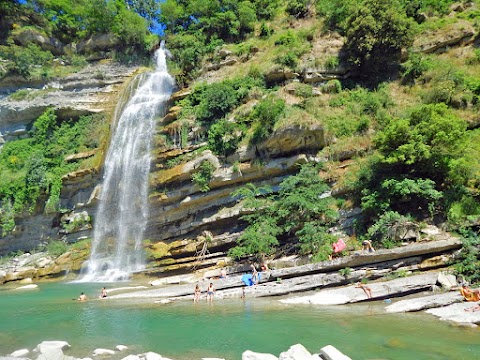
x: 332, y: 62
x: 336, y: 12
x: 224, y: 137
x: 332, y: 87
x: 297, y: 8
x: 56, y: 248
x: 211, y: 102
x: 465, y: 169
x: 265, y: 30
x: 384, y: 229
x: 265, y: 115
x: 291, y: 46
x: 345, y: 272
x: 430, y: 137
x: 203, y: 175
x: 252, y: 197
x: 376, y: 31
x: 416, y: 65
x: 296, y: 210
x: 396, y: 194
x: 361, y: 101
x: 19, y: 95
x: 215, y: 100
x: 226, y: 20
x: 259, y: 238
x: 314, y: 239
x: 34, y: 166
x: 303, y: 90
x: 187, y: 50
x: 184, y: 135
x: 7, y: 218
x: 468, y: 265
x: 44, y: 126
x: 131, y: 29
x: 475, y: 59
x: 463, y: 209
x: 24, y: 59
x: 288, y: 59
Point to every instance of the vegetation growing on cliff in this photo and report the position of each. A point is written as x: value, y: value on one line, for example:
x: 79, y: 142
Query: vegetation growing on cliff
x: 299, y: 210
x: 32, y: 168
x: 409, y: 117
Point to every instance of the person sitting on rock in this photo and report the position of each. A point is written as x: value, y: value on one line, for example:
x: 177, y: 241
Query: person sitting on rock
x: 367, y: 246
x: 470, y: 294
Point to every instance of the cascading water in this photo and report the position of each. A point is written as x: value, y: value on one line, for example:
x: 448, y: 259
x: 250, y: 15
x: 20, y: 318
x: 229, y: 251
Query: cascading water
x: 122, y: 214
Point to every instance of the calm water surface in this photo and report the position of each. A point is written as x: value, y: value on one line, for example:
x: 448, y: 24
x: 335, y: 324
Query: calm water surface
x: 225, y: 329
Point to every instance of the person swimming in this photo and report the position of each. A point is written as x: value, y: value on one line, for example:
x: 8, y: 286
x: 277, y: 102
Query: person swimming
x: 82, y: 297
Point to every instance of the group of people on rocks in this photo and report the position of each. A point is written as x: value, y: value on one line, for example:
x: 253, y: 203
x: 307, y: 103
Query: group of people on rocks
x: 255, y: 279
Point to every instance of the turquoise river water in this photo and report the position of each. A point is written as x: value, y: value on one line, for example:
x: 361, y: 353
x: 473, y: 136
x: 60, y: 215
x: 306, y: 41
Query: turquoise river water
x: 183, y: 330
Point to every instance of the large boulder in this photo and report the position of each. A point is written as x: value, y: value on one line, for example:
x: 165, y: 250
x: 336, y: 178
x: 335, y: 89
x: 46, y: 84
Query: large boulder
x: 20, y: 353
x: 296, y: 352
x: 424, y: 302
x: 458, y: 34
x: 293, y: 139
x: 32, y: 36
x: 100, y: 42
x: 329, y: 352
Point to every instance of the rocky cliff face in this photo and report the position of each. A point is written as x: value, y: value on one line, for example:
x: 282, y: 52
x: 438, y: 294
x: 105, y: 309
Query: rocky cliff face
x: 95, y: 89
x: 188, y: 228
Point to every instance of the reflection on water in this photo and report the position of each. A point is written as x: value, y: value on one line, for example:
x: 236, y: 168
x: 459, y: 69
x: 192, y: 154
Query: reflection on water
x: 184, y: 330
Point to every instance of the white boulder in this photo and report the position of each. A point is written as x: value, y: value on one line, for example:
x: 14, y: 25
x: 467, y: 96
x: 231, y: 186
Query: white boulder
x: 447, y: 280
x: 154, y: 356
x: 296, y: 352
x: 101, y: 351
x: 250, y: 355
x: 27, y: 287
x: 47, y: 345
x: 20, y: 353
x: 26, y: 281
x: 121, y: 347
x: 330, y: 352
x: 131, y: 357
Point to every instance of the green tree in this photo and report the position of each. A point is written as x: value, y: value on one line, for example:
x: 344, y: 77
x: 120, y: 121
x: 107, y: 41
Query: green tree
x: 299, y: 209
x: 375, y: 33
x: 265, y: 115
x: 429, y: 139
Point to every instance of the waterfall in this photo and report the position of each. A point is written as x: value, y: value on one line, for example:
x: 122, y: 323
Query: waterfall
x: 121, y: 218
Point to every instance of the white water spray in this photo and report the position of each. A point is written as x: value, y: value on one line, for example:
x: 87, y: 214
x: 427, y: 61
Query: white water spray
x: 117, y: 249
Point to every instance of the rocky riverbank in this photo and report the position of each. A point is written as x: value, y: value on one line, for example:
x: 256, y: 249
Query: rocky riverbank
x: 408, y: 279
x: 54, y: 350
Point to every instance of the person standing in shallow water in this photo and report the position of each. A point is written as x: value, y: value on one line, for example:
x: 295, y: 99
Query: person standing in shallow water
x: 196, y: 294
x: 210, y: 291
x: 103, y: 293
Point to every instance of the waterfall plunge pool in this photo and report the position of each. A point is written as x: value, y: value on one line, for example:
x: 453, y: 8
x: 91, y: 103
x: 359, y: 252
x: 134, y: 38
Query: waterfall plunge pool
x: 183, y: 330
